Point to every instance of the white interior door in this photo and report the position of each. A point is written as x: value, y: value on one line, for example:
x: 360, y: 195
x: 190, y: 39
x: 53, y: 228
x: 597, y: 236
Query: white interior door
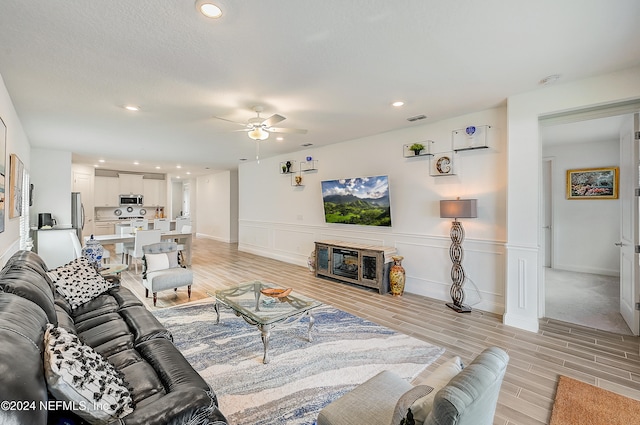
x: 629, y: 181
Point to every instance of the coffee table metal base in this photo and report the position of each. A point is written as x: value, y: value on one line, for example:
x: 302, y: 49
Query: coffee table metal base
x: 265, y: 330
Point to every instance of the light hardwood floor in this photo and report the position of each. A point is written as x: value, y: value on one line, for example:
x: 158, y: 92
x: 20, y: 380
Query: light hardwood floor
x: 600, y: 358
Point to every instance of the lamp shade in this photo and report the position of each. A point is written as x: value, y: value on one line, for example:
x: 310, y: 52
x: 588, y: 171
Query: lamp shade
x: 459, y: 208
x: 258, y: 134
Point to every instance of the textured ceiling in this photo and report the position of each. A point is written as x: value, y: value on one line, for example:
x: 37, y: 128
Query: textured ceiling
x: 332, y: 67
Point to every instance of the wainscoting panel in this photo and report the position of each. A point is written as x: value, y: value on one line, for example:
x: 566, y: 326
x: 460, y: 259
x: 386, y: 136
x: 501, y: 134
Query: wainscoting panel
x: 426, y: 258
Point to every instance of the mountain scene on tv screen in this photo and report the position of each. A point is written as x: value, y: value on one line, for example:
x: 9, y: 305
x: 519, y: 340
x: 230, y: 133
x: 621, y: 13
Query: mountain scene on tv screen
x: 363, y: 200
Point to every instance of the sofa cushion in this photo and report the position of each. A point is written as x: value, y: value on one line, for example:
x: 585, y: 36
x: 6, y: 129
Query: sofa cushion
x: 76, y: 373
x: 471, y: 396
x: 22, y: 325
x: 437, y: 380
x: 79, y: 282
x: 30, y: 285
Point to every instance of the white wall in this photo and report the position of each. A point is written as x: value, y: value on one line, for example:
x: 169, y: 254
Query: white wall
x: 281, y: 221
x: 525, y: 293
x: 17, y: 143
x: 584, y: 231
x: 51, y: 179
x: 216, y: 206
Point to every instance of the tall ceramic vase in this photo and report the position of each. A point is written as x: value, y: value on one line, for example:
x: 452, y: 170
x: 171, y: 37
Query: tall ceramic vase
x: 93, y: 251
x: 397, y: 276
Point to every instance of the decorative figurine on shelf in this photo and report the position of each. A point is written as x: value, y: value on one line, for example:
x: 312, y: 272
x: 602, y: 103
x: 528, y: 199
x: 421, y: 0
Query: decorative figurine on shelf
x: 298, y: 180
x: 288, y: 165
x: 93, y: 251
x: 470, y: 130
x: 284, y: 169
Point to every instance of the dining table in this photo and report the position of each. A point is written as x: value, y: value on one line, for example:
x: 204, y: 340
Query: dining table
x: 181, y: 237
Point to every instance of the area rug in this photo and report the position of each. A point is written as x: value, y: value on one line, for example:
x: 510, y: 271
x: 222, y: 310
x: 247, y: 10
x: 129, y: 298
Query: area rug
x: 302, y: 376
x: 577, y: 403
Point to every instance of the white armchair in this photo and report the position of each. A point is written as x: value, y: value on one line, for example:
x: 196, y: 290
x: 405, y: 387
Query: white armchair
x: 162, y: 269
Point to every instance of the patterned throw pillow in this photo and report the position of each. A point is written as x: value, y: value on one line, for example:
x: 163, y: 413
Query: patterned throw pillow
x: 76, y: 374
x: 79, y: 282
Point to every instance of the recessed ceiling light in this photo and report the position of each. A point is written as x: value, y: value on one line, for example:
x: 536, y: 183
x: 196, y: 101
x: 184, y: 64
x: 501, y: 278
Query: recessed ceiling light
x: 157, y: 167
x: 208, y: 9
x: 136, y: 163
x: 188, y: 172
x: 101, y: 160
x: 96, y: 165
x: 177, y: 177
x: 279, y: 138
x: 398, y: 103
x: 132, y: 108
x: 178, y: 166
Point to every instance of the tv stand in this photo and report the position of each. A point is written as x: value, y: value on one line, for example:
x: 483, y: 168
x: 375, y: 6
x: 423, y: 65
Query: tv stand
x: 360, y: 264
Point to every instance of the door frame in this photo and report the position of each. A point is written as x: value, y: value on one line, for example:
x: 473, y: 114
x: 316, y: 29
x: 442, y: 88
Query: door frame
x: 583, y: 114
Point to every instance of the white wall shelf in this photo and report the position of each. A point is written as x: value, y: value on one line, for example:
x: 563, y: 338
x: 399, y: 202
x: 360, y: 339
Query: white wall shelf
x: 290, y: 169
x: 408, y: 153
x: 309, y: 166
x: 471, y: 137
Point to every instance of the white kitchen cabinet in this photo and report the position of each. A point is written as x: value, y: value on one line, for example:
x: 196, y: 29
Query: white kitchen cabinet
x: 154, y: 193
x: 107, y: 192
x: 131, y: 184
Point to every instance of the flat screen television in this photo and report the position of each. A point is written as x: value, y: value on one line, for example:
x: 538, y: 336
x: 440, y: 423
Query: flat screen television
x: 361, y: 200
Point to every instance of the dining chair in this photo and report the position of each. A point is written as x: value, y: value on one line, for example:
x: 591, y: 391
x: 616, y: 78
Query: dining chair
x: 122, y: 248
x: 143, y: 237
x: 181, y: 222
x: 162, y: 224
x: 140, y: 223
x: 185, y: 229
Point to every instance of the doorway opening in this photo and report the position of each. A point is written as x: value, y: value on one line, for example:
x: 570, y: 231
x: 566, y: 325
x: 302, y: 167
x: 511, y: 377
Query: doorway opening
x: 581, y: 283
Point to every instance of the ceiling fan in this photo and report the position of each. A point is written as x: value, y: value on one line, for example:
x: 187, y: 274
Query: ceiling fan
x: 259, y: 128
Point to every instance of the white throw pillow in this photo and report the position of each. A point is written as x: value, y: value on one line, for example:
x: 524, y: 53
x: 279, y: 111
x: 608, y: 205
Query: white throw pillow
x: 76, y: 373
x: 437, y: 379
x: 78, y: 282
x: 162, y: 261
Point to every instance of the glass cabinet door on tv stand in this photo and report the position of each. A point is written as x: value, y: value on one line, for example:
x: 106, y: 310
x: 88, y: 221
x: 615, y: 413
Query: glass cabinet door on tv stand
x: 354, y: 263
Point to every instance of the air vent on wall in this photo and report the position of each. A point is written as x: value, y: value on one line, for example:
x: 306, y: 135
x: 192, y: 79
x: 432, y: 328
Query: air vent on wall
x: 416, y: 118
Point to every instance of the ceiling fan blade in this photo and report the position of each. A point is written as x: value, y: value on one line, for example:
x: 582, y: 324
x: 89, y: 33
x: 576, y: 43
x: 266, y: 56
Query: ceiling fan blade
x: 272, y: 120
x: 287, y: 130
x: 244, y: 124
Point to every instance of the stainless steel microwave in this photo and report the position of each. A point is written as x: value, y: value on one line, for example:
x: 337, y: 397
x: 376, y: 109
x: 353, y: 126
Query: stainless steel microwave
x: 134, y: 200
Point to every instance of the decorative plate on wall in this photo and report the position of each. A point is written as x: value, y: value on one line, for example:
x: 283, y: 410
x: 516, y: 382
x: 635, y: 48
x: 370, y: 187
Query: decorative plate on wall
x: 442, y: 164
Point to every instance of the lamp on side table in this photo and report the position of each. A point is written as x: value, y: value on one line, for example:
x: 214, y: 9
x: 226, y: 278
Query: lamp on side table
x: 458, y: 208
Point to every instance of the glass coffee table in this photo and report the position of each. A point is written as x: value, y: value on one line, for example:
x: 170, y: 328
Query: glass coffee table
x: 247, y: 301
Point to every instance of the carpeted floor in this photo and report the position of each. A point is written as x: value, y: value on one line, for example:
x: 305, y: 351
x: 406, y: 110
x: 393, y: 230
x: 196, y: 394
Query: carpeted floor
x: 302, y: 376
x: 577, y: 403
x: 585, y: 299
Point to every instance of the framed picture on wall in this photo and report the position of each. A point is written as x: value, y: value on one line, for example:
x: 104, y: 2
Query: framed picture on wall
x: 593, y: 183
x: 16, y: 192
x: 3, y: 167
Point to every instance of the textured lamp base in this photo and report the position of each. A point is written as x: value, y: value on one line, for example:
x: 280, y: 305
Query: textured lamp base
x: 460, y: 309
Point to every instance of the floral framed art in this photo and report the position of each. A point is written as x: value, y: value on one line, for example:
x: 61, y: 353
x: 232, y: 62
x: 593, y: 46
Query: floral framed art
x: 593, y: 183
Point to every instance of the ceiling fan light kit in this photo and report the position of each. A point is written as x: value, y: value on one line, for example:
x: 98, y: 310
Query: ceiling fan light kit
x: 258, y: 134
x: 259, y: 128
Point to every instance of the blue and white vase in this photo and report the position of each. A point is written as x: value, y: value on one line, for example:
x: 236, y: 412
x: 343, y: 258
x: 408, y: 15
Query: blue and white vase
x: 93, y: 251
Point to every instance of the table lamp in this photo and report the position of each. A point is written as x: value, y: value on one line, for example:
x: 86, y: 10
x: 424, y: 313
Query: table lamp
x: 458, y: 208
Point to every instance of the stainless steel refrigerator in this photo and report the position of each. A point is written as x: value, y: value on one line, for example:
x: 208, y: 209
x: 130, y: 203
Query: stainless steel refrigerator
x: 77, y: 214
